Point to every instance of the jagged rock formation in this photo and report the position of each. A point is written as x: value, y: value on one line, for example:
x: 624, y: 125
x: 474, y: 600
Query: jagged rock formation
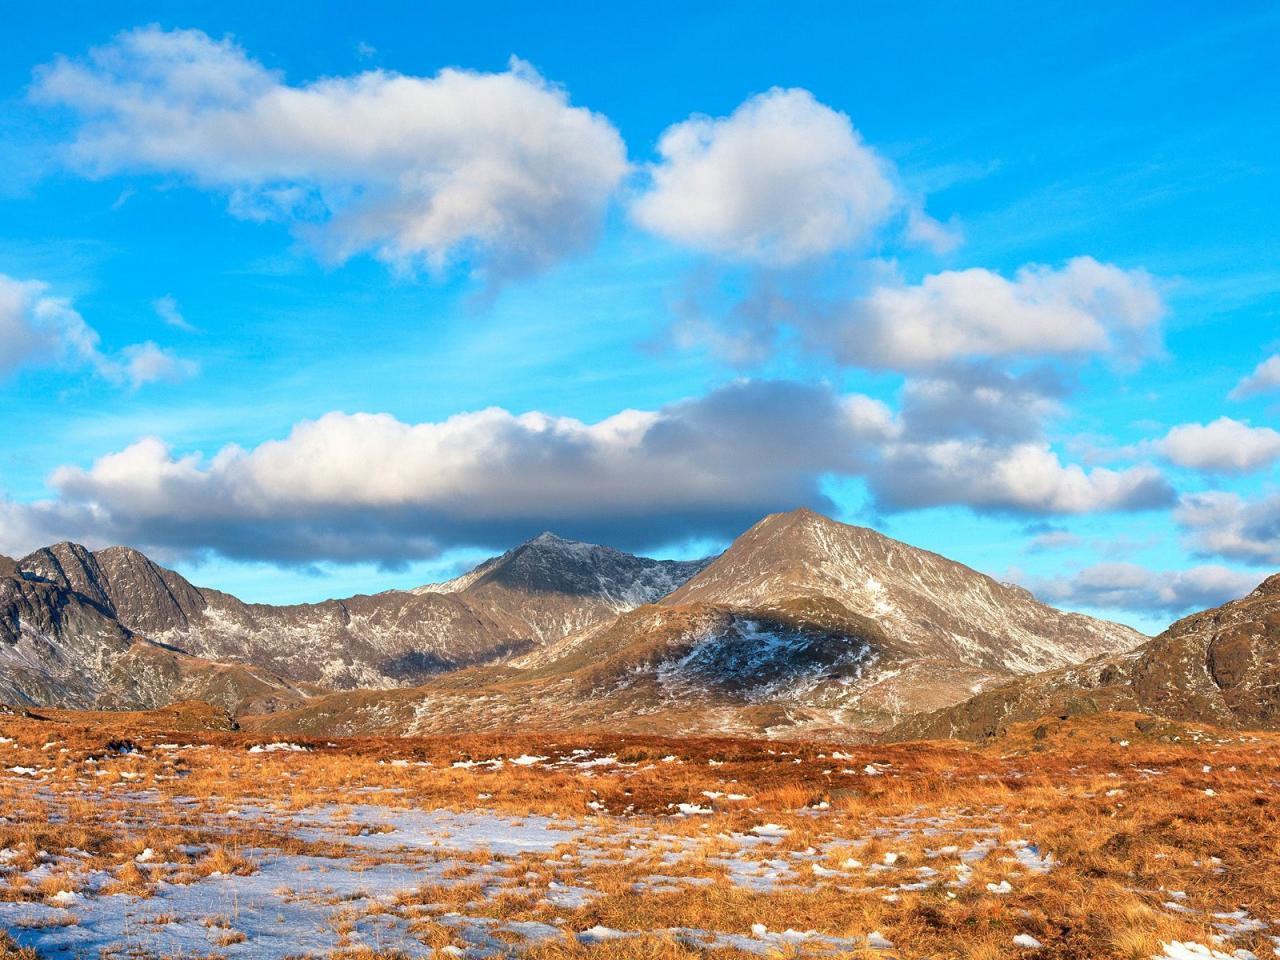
x: 550, y: 587
x: 60, y: 647
x: 53, y: 642
x: 529, y: 596
x: 804, y: 626
x: 1220, y: 666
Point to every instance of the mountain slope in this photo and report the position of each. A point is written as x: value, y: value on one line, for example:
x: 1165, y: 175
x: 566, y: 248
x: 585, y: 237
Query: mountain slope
x: 549, y: 587
x: 930, y: 607
x: 529, y: 596
x: 804, y: 625
x: 59, y: 647
x: 1220, y: 666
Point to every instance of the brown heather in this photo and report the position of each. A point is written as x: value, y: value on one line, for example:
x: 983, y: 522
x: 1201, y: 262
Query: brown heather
x: 1121, y: 838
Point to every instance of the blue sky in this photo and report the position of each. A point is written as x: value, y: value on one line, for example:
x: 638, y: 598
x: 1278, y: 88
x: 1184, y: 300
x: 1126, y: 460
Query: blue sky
x: 995, y: 280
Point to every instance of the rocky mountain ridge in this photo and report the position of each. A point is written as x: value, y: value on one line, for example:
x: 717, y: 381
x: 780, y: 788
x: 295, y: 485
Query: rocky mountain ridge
x: 803, y: 626
x: 61, y: 647
x: 527, y: 597
x: 1220, y: 666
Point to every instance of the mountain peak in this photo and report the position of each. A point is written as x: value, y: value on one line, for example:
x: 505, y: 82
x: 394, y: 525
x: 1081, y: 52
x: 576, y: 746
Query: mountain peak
x: 71, y: 566
x: 799, y: 517
x: 803, y: 521
x: 570, y: 573
x: 121, y: 551
x: 1268, y: 587
x: 931, y: 606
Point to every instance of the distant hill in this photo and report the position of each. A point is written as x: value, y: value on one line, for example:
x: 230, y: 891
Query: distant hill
x: 1220, y: 666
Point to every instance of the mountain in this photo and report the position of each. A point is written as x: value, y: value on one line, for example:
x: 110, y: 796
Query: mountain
x: 527, y: 597
x: 1220, y: 666
x: 549, y: 587
x: 804, y: 625
x: 61, y: 647
x: 929, y: 607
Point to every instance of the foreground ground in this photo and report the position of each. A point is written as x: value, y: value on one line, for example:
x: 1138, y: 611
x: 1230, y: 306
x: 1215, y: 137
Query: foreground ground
x: 1109, y: 836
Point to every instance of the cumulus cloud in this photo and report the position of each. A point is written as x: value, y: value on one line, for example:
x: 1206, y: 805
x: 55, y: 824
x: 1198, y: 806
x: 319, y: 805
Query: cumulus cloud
x: 1264, y: 379
x: 979, y: 400
x: 1024, y: 478
x: 1223, y: 446
x: 39, y: 329
x: 351, y: 487
x: 370, y: 487
x: 495, y: 168
x: 1228, y: 525
x: 782, y: 180
x: 1081, y: 308
x: 1128, y: 586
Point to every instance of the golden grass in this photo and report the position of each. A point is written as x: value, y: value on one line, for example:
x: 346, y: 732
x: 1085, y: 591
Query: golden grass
x: 11, y: 951
x: 1128, y: 816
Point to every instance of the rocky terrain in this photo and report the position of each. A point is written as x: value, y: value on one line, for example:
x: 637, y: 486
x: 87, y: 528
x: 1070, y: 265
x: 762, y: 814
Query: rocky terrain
x: 61, y: 647
x: 527, y: 597
x: 1220, y: 666
x: 804, y: 626
x: 549, y: 587
x: 929, y: 607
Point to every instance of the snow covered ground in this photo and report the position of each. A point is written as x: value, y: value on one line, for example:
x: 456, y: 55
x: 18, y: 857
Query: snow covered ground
x: 375, y: 883
x: 235, y: 846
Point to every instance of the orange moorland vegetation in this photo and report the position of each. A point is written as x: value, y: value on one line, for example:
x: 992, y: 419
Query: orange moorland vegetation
x: 1112, y: 836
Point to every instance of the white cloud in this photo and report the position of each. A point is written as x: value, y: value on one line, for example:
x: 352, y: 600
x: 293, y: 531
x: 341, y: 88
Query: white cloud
x: 923, y: 230
x: 980, y: 401
x: 1048, y: 540
x: 143, y: 363
x: 1024, y: 477
x: 368, y: 486
x: 1223, y: 446
x: 1264, y: 379
x: 167, y: 309
x: 1128, y: 586
x: 37, y: 329
x: 497, y: 169
x: 353, y: 487
x: 1083, y: 307
x: 1227, y: 525
x: 782, y: 180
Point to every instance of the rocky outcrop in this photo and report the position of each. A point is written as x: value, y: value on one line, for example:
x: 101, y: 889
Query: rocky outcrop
x: 61, y: 647
x: 54, y: 644
x: 549, y: 587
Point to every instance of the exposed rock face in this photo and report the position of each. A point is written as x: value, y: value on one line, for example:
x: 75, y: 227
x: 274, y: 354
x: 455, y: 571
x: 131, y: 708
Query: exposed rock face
x: 804, y: 626
x: 60, y: 647
x: 53, y: 644
x: 529, y: 596
x: 1221, y: 666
